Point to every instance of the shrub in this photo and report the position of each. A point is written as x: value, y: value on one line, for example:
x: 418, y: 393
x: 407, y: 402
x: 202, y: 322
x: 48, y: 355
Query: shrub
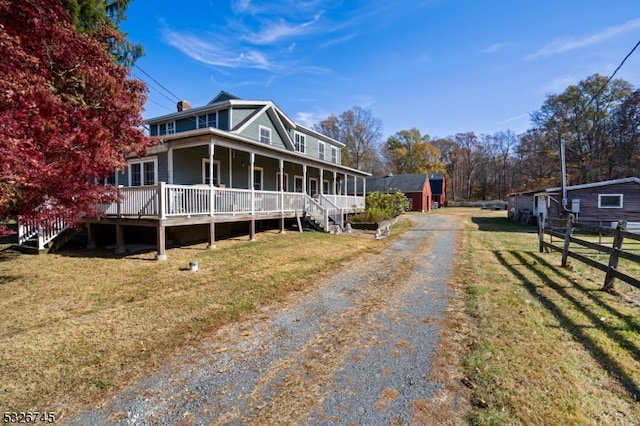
x: 381, y: 206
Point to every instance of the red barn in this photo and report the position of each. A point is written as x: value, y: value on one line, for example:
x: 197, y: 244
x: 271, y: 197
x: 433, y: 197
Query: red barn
x: 416, y: 188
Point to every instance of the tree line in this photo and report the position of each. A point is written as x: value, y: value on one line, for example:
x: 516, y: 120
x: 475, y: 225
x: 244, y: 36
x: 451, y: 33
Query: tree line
x: 596, y: 121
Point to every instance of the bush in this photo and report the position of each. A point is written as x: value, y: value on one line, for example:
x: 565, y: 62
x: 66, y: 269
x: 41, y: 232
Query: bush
x: 381, y: 206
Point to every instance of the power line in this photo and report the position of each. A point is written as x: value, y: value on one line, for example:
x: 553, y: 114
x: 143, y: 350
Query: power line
x: 159, y: 92
x: 612, y: 75
x: 158, y: 83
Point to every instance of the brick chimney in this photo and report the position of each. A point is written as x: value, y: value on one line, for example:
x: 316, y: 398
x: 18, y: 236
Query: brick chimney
x: 183, y: 106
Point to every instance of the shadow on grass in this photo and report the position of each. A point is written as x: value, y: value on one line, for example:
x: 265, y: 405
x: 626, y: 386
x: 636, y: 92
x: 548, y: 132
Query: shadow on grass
x: 558, y: 307
x: 501, y: 224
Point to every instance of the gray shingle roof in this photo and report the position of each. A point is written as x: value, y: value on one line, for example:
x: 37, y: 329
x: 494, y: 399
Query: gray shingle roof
x: 404, y: 183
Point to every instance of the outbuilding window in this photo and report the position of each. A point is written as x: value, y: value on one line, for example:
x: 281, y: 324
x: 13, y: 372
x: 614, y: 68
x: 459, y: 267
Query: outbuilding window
x: 610, y: 201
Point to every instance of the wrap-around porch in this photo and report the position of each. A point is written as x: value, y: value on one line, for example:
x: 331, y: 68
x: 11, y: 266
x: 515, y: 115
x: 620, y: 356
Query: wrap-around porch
x: 165, y: 205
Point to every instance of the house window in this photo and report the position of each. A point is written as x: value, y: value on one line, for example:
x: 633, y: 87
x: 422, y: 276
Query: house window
x: 334, y: 155
x: 297, y: 183
x: 143, y: 172
x: 300, y: 142
x: 325, y: 187
x: 610, y: 201
x: 167, y: 128
x: 257, y: 178
x: 110, y: 180
x: 206, y: 120
x: 265, y: 135
x: 205, y: 172
x: 321, y: 150
x: 285, y: 178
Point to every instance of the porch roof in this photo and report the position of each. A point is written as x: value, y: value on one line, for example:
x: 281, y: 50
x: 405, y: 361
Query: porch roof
x: 219, y: 137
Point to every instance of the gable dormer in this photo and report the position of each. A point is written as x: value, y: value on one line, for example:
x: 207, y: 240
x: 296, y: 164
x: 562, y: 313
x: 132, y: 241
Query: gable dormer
x: 222, y: 97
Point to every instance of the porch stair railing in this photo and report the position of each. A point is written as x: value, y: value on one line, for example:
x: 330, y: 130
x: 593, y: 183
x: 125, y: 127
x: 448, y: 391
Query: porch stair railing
x: 323, y: 212
x: 334, y: 212
x: 39, y: 234
x: 317, y: 213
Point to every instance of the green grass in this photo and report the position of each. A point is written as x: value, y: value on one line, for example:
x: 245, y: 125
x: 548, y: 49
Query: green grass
x: 550, y: 347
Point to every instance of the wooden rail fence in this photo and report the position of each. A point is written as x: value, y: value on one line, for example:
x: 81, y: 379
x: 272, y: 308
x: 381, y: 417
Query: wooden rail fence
x: 615, y: 252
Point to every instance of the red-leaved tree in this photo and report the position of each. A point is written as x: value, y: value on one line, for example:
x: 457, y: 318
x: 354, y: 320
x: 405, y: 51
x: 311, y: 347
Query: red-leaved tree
x: 69, y: 115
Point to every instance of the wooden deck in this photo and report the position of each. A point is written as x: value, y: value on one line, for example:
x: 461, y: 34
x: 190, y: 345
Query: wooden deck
x: 164, y: 205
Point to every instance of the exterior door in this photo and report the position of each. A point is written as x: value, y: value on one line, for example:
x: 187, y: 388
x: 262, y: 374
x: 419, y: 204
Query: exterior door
x: 313, y: 186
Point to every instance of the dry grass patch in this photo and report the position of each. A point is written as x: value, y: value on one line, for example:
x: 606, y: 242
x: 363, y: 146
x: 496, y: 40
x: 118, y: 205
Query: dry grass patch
x: 77, y: 326
x: 549, y: 346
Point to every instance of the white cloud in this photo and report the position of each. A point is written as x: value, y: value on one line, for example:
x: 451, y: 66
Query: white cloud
x: 276, y: 31
x: 494, y: 48
x: 560, y: 46
x: 213, y: 50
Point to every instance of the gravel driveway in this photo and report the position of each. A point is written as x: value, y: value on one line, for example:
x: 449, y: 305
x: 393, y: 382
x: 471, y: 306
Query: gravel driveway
x: 354, y: 347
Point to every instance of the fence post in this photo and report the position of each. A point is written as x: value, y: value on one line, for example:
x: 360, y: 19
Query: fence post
x: 541, y: 231
x: 615, y: 256
x: 567, y: 241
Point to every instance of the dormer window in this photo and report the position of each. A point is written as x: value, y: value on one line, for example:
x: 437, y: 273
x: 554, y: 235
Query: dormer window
x: 300, y: 142
x: 265, y: 135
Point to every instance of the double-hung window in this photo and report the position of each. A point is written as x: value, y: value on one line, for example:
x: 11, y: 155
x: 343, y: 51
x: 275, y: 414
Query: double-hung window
x: 321, y: 150
x: 300, y: 142
x: 143, y: 172
x: 265, y: 135
x: 334, y: 155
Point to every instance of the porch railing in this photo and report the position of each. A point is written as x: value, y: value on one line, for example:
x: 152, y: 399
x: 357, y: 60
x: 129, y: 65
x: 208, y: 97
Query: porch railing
x: 168, y: 200
x: 347, y: 202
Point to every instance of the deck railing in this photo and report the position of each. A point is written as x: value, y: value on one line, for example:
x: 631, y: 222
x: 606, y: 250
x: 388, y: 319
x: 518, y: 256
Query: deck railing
x: 134, y: 201
x: 168, y: 200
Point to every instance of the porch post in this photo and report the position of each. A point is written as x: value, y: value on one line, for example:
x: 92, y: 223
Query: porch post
x: 252, y: 229
x: 211, y: 195
x: 231, y: 157
x: 364, y: 189
x: 335, y: 183
x: 170, y: 166
x: 212, y: 235
x: 355, y: 185
x: 161, y: 200
x: 161, y: 241
x: 281, y: 186
x: 304, y: 178
x: 119, y: 239
x: 252, y: 157
x: 91, y: 237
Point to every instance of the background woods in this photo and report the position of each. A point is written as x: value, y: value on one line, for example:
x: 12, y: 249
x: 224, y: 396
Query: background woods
x: 597, y: 119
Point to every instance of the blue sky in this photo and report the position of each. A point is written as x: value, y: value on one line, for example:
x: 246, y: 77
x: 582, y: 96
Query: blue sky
x: 441, y: 66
